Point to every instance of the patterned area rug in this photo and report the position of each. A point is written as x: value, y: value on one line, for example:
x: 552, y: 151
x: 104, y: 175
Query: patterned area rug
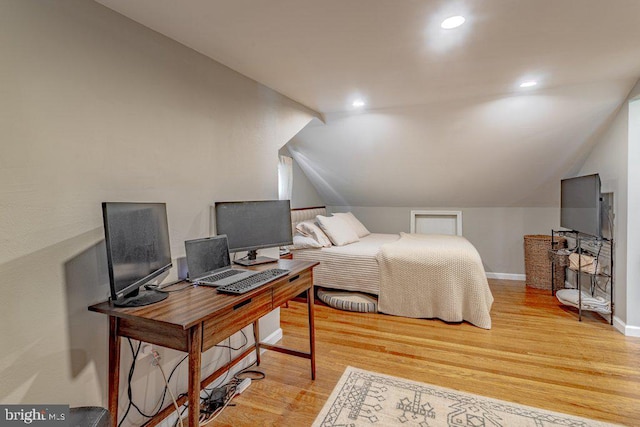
x: 363, y: 398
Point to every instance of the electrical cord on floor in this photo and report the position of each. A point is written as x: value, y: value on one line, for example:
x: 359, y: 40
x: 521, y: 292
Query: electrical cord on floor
x: 205, y: 402
x: 253, y: 375
x: 229, y: 395
x: 237, y: 385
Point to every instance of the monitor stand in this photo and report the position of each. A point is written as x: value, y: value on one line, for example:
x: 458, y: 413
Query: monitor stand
x: 252, y: 258
x: 141, y: 299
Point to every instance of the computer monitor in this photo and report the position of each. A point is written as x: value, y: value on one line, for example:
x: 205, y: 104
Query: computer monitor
x: 581, y: 204
x: 138, y: 250
x: 253, y: 225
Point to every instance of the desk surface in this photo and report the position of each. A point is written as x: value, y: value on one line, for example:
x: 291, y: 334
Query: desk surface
x: 202, y: 301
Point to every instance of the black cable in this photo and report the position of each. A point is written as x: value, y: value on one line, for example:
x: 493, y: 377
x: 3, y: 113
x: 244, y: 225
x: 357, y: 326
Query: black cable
x: 209, y: 390
x: 246, y: 341
x: 134, y: 354
x: 251, y: 374
x: 130, y: 391
x: 164, y: 393
x: 166, y: 388
x: 226, y: 374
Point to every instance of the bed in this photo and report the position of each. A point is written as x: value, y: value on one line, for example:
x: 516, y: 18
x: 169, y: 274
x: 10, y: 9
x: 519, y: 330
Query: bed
x: 419, y: 276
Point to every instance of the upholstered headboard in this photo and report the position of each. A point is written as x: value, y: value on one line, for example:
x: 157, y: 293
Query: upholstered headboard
x: 303, y: 214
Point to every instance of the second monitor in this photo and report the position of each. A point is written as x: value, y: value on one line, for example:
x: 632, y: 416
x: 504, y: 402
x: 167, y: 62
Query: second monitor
x: 253, y: 225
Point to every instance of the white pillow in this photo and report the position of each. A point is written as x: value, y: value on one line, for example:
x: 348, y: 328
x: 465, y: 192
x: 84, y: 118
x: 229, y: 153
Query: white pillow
x: 337, y: 229
x: 305, y: 242
x: 353, y: 222
x: 310, y: 229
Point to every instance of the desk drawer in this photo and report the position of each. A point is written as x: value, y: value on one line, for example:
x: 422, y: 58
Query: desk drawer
x: 231, y: 320
x: 289, y: 289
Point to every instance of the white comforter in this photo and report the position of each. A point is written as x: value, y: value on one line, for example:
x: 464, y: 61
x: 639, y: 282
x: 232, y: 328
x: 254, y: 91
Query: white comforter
x: 351, y: 267
x: 427, y: 276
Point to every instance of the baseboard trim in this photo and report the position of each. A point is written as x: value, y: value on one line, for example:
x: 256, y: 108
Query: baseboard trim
x: 273, y: 338
x: 632, y: 331
x: 626, y: 330
x: 506, y: 276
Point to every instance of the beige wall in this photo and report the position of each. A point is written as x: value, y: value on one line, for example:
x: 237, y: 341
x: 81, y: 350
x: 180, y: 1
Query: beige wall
x: 94, y: 107
x: 497, y: 233
x: 613, y: 159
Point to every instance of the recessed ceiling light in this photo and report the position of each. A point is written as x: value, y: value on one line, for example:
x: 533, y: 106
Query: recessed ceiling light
x: 358, y: 103
x: 452, y: 22
x: 530, y: 83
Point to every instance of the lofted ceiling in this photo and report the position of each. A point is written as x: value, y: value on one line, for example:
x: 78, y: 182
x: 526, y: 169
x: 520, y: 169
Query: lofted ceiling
x: 445, y: 122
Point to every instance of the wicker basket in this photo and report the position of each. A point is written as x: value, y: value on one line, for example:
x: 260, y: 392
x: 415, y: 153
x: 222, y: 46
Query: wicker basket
x: 537, y: 263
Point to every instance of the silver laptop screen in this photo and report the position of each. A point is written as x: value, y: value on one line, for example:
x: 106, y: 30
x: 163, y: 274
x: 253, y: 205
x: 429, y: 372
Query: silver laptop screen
x: 206, y: 255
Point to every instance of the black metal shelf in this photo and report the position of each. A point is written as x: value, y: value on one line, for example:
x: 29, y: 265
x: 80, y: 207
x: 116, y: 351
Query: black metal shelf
x: 581, y: 240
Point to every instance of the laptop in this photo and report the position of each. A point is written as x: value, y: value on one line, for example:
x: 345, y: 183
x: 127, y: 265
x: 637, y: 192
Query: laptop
x: 209, y: 263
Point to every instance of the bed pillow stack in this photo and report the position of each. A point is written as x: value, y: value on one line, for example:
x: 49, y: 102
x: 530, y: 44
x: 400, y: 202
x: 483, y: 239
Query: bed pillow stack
x: 309, y: 235
x: 339, y: 229
x: 353, y: 222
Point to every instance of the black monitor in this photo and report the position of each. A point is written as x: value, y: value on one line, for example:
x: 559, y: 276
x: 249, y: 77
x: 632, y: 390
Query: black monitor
x: 250, y: 226
x: 580, y: 204
x: 138, y: 250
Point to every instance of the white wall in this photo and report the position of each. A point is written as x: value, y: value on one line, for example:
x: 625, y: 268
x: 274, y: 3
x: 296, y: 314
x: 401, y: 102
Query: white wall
x: 94, y: 107
x: 633, y: 220
x: 614, y: 158
x: 497, y: 233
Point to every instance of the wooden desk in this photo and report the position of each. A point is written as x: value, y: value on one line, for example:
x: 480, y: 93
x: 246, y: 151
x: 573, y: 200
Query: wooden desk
x: 197, y: 319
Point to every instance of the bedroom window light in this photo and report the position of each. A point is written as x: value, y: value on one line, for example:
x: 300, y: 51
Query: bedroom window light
x: 285, y: 177
x: 529, y: 83
x: 358, y: 103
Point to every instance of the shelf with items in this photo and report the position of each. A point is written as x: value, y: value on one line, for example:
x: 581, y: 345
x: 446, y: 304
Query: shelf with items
x: 586, y: 257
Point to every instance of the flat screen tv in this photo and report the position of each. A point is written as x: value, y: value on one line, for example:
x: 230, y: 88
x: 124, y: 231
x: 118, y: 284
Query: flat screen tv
x: 138, y: 250
x: 250, y: 226
x: 580, y: 204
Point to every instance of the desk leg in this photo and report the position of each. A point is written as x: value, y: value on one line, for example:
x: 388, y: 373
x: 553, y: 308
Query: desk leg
x: 114, y: 369
x: 195, y: 359
x: 312, y: 331
x: 256, y: 337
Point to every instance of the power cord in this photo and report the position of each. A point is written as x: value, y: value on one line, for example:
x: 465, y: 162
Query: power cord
x: 156, y: 359
x: 219, y: 398
x: 134, y: 354
x: 246, y: 341
x: 234, y: 388
x: 208, y: 403
x: 131, y: 369
x: 245, y: 375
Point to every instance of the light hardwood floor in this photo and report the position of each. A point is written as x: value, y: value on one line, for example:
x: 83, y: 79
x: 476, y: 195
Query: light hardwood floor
x: 537, y: 354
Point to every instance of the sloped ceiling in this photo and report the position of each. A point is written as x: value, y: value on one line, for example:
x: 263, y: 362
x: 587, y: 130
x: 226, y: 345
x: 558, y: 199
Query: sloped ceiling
x: 445, y: 121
